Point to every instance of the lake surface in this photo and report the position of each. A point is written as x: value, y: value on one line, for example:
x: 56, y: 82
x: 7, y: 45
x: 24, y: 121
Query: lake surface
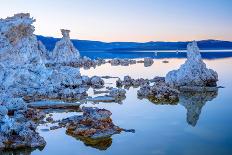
x: 199, y: 124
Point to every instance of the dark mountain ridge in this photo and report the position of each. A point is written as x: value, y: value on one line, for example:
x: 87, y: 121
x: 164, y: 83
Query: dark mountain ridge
x: 88, y: 45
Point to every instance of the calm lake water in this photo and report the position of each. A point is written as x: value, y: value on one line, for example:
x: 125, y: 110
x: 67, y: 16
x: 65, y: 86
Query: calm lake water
x: 199, y: 124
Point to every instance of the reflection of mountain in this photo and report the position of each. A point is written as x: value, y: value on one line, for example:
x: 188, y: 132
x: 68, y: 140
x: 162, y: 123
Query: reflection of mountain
x: 194, y: 102
x: 98, y: 143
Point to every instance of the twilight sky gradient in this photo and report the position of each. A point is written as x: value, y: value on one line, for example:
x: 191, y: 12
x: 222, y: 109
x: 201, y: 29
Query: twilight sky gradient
x: 128, y: 20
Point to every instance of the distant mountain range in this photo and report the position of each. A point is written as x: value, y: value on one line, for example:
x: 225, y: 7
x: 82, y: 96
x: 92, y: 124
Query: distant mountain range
x: 88, y: 45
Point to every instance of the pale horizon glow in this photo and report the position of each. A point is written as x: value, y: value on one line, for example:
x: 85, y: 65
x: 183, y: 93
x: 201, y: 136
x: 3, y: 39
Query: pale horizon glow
x: 128, y: 20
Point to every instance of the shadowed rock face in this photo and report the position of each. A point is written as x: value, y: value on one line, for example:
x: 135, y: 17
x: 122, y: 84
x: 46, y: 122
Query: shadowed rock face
x: 194, y: 102
x: 193, y: 72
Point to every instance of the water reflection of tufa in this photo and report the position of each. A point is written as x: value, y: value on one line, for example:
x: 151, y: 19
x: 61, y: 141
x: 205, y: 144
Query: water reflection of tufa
x: 194, y: 102
x: 99, y: 143
x: 22, y: 151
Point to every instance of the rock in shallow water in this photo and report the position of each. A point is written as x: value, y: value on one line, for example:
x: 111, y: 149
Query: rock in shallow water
x: 193, y: 72
x: 159, y: 93
x: 94, y: 123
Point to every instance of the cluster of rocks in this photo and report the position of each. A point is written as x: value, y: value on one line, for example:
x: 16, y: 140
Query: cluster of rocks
x: 159, y: 93
x: 122, y: 62
x: 18, y: 125
x: 28, y: 72
x: 84, y: 62
x: 128, y: 82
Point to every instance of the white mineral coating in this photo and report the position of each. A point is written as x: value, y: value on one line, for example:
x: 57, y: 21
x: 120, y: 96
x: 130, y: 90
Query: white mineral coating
x: 18, y: 44
x: 21, y: 55
x: 64, y: 51
x: 13, y: 104
x: 3, y: 112
x: 193, y: 72
x: 23, y: 73
x: 67, y: 76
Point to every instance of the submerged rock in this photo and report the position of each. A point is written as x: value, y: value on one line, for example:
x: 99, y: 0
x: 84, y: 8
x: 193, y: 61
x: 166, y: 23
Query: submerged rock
x: 193, y: 72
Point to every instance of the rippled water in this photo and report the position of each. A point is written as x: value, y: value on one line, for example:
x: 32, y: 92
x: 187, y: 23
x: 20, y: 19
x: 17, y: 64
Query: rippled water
x: 199, y: 124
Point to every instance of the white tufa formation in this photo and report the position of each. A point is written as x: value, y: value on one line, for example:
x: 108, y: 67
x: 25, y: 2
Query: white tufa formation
x: 64, y: 51
x: 193, y: 72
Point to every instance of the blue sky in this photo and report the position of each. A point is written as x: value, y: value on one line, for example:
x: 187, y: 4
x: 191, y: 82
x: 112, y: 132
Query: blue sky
x: 128, y: 20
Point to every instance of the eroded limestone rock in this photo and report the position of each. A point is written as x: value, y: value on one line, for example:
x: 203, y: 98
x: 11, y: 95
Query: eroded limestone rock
x: 193, y: 72
x: 64, y: 51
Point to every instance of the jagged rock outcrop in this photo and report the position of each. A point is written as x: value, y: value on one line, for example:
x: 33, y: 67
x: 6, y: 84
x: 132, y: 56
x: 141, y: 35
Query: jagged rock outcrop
x: 21, y: 55
x: 64, y: 51
x: 193, y: 72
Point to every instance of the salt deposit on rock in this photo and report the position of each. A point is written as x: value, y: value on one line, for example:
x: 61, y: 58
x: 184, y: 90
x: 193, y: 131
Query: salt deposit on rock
x: 64, y: 51
x: 193, y: 72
